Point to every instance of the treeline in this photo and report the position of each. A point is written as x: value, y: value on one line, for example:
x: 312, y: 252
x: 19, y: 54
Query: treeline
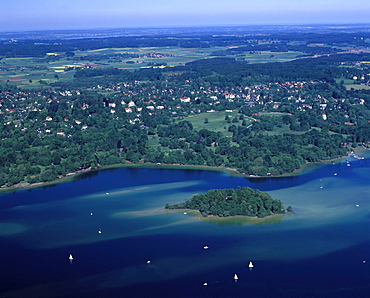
x: 280, y: 47
x: 231, y: 202
x: 239, y: 71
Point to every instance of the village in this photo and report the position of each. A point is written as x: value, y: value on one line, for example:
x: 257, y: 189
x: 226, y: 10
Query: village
x: 43, y: 110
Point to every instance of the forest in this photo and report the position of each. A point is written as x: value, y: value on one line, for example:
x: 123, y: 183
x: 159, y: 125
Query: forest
x: 230, y: 202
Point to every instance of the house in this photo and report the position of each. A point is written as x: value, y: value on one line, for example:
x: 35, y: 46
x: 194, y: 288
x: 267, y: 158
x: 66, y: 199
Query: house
x: 185, y: 99
x: 229, y: 96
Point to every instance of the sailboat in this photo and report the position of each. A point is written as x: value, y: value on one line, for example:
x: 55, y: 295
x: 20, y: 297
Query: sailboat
x: 70, y: 258
x: 250, y: 265
x: 236, y: 277
x: 99, y: 231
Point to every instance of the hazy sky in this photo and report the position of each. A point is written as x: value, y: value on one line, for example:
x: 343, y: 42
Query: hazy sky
x: 75, y: 14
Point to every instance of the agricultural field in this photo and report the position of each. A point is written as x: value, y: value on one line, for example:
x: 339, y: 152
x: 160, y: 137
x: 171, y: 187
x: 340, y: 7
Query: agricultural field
x: 268, y: 56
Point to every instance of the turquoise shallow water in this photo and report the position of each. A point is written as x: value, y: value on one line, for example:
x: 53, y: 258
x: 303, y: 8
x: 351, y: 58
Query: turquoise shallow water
x: 321, y: 250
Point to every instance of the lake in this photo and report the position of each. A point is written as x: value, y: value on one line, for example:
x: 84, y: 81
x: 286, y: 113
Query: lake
x: 113, y: 222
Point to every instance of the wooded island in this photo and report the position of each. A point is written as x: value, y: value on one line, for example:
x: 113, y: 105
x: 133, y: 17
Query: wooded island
x: 229, y: 202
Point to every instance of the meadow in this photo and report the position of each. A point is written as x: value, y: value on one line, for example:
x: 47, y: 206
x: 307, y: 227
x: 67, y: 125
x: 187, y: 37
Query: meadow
x: 215, y: 121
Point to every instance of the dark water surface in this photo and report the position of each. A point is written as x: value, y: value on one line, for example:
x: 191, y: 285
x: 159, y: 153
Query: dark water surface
x: 321, y: 250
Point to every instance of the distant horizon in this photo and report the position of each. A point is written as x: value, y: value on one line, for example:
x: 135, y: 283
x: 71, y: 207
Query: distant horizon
x: 25, y: 15
x: 143, y: 27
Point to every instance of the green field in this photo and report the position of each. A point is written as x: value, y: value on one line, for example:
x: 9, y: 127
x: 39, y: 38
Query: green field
x: 217, y: 122
x: 267, y: 56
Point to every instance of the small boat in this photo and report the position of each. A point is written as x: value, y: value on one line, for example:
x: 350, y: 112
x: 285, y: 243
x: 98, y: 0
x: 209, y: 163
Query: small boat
x: 206, y: 247
x: 91, y: 213
x: 236, y: 277
x: 99, y: 231
x: 148, y: 262
x: 357, y: 205
x: 205, y: 284
x: 250, y: 264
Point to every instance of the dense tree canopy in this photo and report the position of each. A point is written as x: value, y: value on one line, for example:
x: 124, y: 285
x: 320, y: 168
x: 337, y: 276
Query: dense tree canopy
x: 230, y: 202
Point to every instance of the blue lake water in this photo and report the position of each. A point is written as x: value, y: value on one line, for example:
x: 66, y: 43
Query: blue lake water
x: 321, y: 250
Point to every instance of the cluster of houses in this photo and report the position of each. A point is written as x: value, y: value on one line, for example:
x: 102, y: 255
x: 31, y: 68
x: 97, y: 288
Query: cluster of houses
x: 172, y: 98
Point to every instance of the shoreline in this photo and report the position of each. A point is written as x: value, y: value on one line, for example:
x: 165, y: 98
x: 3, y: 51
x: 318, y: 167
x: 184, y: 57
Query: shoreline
x: 231, y: 220
x: 232, y: 171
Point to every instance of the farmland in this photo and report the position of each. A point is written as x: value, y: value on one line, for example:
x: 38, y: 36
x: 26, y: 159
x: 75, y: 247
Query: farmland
x: 41, y: 71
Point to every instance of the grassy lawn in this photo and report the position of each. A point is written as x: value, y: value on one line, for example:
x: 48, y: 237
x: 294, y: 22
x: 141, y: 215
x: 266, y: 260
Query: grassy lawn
x: 216, y: 121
